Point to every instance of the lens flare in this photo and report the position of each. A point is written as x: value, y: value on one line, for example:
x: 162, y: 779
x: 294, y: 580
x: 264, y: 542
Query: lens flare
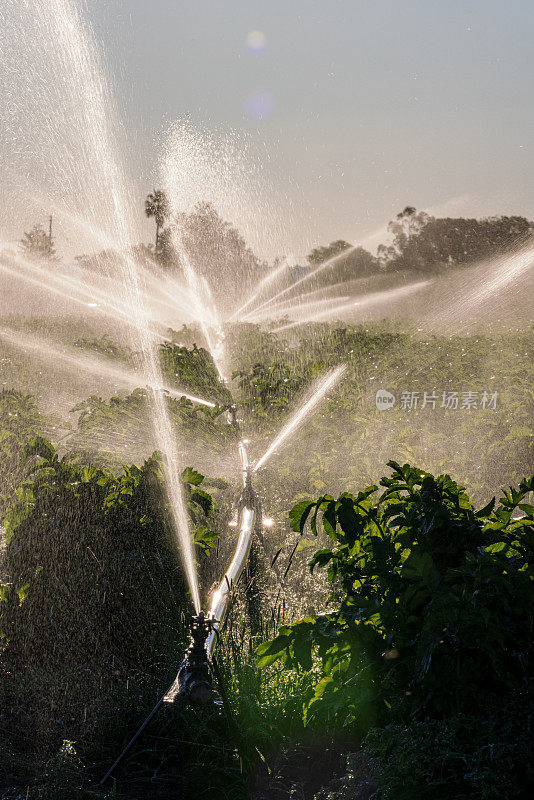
x: 256, y: 41
x: 260, y: 105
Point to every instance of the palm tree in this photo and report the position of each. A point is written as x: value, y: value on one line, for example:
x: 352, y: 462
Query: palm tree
x: 157, y: 206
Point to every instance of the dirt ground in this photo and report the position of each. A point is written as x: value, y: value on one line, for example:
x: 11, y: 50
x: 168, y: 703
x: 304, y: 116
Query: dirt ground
x: 315, y: 768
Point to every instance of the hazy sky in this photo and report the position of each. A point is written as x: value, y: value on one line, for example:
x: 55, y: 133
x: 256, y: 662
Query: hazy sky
x: 355, y: 107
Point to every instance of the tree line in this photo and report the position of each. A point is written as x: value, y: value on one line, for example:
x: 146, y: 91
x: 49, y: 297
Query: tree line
x: 419, y: 242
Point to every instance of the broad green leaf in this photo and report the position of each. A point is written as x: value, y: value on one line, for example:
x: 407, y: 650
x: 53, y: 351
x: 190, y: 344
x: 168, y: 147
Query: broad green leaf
x: 192, y: 477
x: 299, y: 514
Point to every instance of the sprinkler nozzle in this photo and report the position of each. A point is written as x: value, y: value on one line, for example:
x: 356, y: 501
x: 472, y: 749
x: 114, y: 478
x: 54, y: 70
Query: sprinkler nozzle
x: 232, y: 414
x: 193, y: 683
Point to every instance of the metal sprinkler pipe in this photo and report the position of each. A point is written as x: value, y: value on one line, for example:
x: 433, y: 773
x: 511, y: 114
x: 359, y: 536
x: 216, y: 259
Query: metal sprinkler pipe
x: 194, y: 671
x: 249, y: 509
x: 193, y: 682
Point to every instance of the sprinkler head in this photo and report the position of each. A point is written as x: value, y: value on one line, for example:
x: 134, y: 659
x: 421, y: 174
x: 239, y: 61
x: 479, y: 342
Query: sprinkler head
x: 232, y: 413
x: 194, y: 676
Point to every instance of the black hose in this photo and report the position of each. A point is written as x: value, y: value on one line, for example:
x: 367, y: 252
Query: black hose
x: 134, y: 738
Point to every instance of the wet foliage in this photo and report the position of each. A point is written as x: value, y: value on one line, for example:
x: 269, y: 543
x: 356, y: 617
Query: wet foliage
x: 193, y: 369
x: 349, y: 440
x: 19, y: 419
x: 109, y: 432
x: 420, y: 639
x: 94, y: 603
x: 431, y: 625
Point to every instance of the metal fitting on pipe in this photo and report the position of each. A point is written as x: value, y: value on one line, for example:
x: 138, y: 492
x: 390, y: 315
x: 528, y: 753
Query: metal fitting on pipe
x: 193, y: 683
x: 232, y: 417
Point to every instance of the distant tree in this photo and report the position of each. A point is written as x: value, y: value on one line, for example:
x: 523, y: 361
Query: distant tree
x: 38, y: 245
x: 143, y: 254
x: 407, y: 224
x: 220, y: 254
x: 348, y: 262
x: 428, y: 244
x: 321, y: 254
x: 106, y: 262
x: 157, y: 206
x: 109, y: 262
x: 166, y: 256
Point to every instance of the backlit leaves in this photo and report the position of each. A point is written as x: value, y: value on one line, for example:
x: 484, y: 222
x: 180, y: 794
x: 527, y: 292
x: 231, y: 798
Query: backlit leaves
x: 432, y: 598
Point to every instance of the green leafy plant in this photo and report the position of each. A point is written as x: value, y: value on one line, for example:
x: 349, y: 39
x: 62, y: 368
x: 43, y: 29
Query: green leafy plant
x: 433, y: 601
x: 19, y: 420
x: 120, y: 429
x: 94, y: 613
x: 193, y: 369
x: 265, y: 388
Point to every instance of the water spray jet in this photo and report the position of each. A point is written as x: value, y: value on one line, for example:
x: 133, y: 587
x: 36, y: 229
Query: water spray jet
x: 193, y: 684
x: 321, y: 388
x: 92, y: 364
x: 362, y: 302
x: 194, y: 669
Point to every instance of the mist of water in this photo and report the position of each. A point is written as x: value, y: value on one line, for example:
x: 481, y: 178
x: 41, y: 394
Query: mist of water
x: 190, y: 153
x: 75, y: 109
x: 96, y: 293
x: 75, y: 360
x: 473, y: 292
x: 314, y: 272
x: 355, y: 305
x: 258, y: 290
x: 292, y: 302
x: 298, y: 308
